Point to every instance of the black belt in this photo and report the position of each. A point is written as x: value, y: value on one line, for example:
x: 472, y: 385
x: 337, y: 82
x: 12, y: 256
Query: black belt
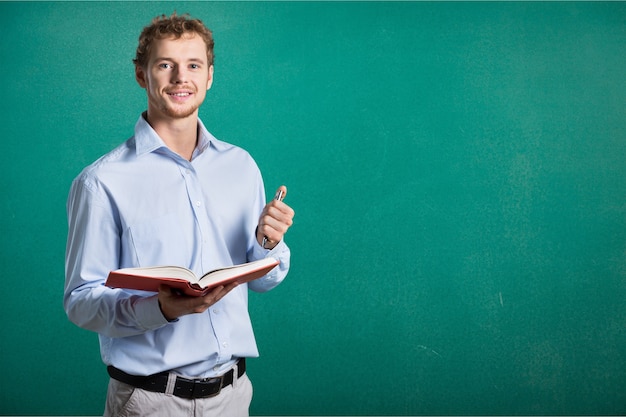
x: 184, y: 387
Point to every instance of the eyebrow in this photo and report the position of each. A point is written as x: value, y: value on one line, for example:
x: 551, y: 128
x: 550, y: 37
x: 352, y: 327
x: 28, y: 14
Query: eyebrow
x: 164, y: 58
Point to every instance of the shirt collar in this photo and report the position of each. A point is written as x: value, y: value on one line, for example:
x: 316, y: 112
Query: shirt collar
x: 147, y: 140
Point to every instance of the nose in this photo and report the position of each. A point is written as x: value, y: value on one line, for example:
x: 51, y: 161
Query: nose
x: 179, y: 75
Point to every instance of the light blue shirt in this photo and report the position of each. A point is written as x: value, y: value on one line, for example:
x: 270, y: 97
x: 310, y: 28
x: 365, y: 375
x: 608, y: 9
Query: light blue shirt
x: 142, y: 205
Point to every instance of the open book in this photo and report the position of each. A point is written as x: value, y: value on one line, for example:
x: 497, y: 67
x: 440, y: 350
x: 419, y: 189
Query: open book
x: 149, y: 278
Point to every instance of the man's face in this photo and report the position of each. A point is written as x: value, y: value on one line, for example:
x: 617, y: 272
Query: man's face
x: 176, y: 77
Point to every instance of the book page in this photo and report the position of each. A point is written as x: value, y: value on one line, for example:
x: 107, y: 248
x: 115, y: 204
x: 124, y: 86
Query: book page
x: 162, y: 272
x: 226, y: 273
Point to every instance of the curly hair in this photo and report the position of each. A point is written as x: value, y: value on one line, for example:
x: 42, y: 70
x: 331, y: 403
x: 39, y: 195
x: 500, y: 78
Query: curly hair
x: 173, y: 26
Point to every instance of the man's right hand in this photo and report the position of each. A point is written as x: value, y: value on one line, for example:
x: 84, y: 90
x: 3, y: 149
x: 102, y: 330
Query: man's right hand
x: 174, y: 305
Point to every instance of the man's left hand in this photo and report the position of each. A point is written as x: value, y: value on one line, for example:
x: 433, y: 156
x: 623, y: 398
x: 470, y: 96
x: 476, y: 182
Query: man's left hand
x: 274, y: 221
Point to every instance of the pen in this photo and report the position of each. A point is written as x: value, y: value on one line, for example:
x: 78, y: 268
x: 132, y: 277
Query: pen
x: 278, y: 197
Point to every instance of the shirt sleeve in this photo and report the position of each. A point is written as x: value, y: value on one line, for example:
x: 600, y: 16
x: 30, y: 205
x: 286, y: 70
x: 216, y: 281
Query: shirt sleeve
x: 93, y: 248
x: 280, y: 252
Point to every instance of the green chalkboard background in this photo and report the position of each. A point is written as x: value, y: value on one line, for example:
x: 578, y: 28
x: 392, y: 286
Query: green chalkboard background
x: 458, y: 172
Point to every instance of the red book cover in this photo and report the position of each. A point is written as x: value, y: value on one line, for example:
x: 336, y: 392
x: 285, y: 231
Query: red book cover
x: 150, y: 278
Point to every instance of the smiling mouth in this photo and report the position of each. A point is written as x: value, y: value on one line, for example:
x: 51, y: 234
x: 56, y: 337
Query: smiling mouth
x: 181, y: 94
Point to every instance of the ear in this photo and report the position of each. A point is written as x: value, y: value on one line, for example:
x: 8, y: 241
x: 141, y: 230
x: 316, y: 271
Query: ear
x: 140, y: 76
x: 210, y: 80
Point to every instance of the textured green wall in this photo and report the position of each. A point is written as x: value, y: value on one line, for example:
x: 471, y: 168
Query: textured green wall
x: 458, y: 172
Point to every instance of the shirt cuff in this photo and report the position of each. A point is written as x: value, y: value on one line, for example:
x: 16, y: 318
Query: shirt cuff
x: 149, y: 314
x: 259, y: 252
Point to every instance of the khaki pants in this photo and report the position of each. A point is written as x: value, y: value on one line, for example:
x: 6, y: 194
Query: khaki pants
x: 124, y: 400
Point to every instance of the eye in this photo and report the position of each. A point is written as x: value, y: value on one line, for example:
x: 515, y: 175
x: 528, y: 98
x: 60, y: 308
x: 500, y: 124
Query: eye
x: 194, y: 66
x: 165, y: 65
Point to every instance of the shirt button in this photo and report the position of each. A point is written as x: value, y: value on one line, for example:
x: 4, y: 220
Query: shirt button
x: 216, y: 311
x: 225, y: 344
x: 198, y: 203
x: 188, y: 172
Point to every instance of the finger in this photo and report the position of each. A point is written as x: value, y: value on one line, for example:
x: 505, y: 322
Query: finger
x: 219, y: 292
x: 271, y: 226
x: 214, y: 295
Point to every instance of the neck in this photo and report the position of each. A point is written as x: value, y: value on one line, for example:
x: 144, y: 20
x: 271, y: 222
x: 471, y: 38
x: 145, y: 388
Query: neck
x: 180, y: 135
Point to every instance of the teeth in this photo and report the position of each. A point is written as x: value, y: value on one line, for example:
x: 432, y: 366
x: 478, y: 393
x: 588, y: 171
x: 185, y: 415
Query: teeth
x: 180, y: 94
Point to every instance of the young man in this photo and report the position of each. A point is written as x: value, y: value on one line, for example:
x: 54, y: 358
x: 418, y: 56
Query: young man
x: 172, y: 195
